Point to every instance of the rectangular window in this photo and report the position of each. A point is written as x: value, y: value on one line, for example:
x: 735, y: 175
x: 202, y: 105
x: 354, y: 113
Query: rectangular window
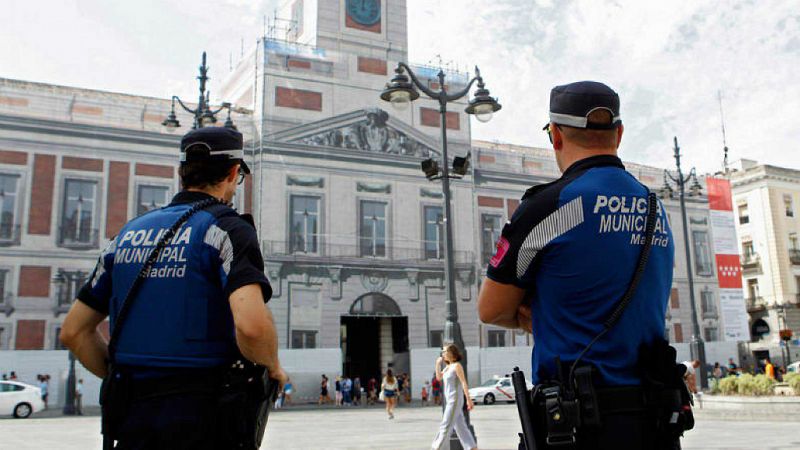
x: 150, y: 198
x: 711, y: 334
x: 744, y: 215
x: 434, y: 238
x: 708, y: 303
x: 9, y: 228
x: 304, y: 233
x: 68, y: 283
x: 748, y: 253
x: 788, y: 205
x: 678, y: 332
x: 674, y: 300
x: 3, y: 334
x: 437, y: 338
x: 78, y: 224
x: 304, y: 339
x: 57, y: 345
x: 490, y: 234
x: 496, y: 338
x: 372, y: 228
x: 702, y: 253
x: 793, y: 243
x: 752, y: 288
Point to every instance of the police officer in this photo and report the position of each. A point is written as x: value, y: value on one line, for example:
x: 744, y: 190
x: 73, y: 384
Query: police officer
x: 200, y: 305
x: 568, y: 254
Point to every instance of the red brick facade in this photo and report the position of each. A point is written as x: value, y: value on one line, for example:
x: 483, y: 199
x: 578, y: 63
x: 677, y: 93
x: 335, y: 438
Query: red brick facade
x: 87, y: 110
x: 512, y: 205
x: 430, y: 118
x: 372, y: 65
x: 298, y: 64
x: 155, y: 170
x: 17, y: 102
x: 298, y: 99
x: 678, y: 333
x: 350, y: 23
x: 34, y: 281
x: 674, y: 300
x: 490, y: 202
x: 248, y: 194
x: 488, y: 159
x: 118, y: 185
x: 76, y: 163
x: 44, y: 168
x: 11, y: 157
x: 30, y: 335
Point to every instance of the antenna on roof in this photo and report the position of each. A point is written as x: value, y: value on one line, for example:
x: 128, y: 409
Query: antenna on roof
x: 724, y: 139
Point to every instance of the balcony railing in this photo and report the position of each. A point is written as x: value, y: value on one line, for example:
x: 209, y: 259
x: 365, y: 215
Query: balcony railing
x: 9, y: 234
x: 710, y: 313
x: 78, y: 238
x: 395, y: 252
x: 794, y: 256
x: 756, y: 304
x: 750, y: 262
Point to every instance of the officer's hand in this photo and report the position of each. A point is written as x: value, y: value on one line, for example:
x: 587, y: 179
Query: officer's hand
x: 279, y: 375
x: 524, y: 318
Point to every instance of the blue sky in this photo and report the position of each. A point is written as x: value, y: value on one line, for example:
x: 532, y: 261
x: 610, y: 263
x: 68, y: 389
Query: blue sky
x: 666, y: 59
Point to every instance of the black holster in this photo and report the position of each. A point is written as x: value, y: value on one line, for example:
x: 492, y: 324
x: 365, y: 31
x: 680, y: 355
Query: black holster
x: 244, y: 401
x: 115, y: 398
x: 667, y: 395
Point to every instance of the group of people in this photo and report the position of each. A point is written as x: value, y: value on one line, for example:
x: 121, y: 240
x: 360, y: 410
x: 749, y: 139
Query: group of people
x: 11, y: 376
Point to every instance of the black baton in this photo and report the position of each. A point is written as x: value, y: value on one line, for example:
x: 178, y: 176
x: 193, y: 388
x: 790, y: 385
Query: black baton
x: 524, y: 408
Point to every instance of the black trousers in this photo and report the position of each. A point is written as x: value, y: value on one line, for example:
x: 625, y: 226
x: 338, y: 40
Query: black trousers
x: 178, y: 421
x: 627, y: 431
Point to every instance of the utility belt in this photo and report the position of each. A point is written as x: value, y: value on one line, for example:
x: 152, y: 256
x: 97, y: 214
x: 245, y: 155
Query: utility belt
x: 242, y: 394
x: 558, y: 412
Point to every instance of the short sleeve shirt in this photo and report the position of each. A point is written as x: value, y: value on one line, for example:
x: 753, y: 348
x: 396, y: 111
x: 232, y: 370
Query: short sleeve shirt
x: 572, y: 245
x: 244, y: 261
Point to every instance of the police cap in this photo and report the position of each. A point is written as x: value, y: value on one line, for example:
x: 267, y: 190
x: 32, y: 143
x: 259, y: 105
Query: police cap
x: 571, y: 104
x: 213, y: 144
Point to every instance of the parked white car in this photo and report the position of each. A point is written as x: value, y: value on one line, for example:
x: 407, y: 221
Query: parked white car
x: 19, y: 399
x: 793, y: 367
x: 499, y: 389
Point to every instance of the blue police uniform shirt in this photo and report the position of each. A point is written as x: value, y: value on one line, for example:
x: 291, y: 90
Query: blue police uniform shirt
x: 181, y: 316
x: 573, y: 245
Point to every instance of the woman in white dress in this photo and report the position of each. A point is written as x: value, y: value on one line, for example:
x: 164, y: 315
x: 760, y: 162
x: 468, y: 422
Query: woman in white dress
x: 455, y: 391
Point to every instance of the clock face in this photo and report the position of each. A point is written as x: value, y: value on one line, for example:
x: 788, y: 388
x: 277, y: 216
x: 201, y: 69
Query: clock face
x: 364, y: 12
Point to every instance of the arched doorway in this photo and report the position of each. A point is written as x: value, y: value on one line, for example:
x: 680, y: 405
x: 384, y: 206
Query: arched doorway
x: 374, y: 336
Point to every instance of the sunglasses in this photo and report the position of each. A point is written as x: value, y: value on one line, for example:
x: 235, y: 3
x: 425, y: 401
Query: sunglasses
x: 241, y: 173
x: 549, y: 132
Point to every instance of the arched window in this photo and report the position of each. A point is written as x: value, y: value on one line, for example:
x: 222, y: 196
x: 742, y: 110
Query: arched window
x: 375, y: 304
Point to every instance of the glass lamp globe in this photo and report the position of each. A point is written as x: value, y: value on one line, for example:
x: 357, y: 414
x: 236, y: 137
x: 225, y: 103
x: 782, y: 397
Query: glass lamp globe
x: 400, y: 100
x: 484, y: 112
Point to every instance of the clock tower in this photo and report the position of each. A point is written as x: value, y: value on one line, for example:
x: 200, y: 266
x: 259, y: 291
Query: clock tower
x: 366, y: 27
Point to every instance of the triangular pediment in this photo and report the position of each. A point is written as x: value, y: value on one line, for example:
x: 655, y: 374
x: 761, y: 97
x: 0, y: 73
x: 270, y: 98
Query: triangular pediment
x: 367, y: 130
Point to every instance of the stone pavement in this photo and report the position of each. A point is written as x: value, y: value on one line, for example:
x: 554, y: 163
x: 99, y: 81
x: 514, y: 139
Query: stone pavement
x: 360, y: 428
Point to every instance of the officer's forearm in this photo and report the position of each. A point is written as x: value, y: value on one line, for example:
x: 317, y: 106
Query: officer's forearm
x: 255, y: 329
x: 91, y: 350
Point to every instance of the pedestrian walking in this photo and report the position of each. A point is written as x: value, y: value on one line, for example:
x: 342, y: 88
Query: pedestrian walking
x: 407, y: 388
x: 44, y: 384
x: 288, y: 388
x: 79, y: 397
x: 690, y: 376
x: 455, y: 391
x: 12, y: 376
x: 769, y: 369
x: 424, y: 393
x: 436, y: 390
x: 717, y: 372
x: 338, y: 387
x: 324, y: 397
x: 192, y: 336
x: 371, y: 385
x: 347, y: 391
x: 357, y: 391
x: 389, y: 391
x: 400, y: 387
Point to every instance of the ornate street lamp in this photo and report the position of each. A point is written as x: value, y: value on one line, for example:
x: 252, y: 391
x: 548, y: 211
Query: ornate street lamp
x: 203, y: 115
x: 400, y: 92
x: 696, y: 345
x: 62, y: 279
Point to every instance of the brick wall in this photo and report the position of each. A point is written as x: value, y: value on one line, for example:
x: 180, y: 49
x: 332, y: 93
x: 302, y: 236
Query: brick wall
x: 489, y: 159
x: 298, y: 64
x: 430, y: 118
x: 678, y: 333
x: 76, y: 163
x: 674, y: 299
x: 87, y: 110
x: 490, y: 202
x: 118, y: 186
x: 14, y: 101
x: 34, y: 281
x: 30, y: 335
x: 155, y: 170
x: 512, y: 205
x: 298, y: 99
x: 372, y: 65
x: 11, y: 157
x: 44, y: 168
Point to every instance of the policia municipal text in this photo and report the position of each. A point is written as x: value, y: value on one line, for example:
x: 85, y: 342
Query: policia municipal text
x: 585, y: 264
x: 193, y: 345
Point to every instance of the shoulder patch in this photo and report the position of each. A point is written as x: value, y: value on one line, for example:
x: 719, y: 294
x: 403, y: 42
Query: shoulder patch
x: 500, y: 253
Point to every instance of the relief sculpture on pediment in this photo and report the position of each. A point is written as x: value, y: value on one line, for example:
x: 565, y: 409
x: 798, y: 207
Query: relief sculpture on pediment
x: 371, y: 135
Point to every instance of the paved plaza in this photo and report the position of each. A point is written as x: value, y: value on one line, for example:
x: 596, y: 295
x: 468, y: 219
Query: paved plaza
x: 414, y: 428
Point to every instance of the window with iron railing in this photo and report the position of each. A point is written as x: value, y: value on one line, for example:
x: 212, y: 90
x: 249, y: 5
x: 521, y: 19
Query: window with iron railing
x: 68, y: 284
x: 744, y: 215
x: 9, y: 228
x: 372, y: 229
x: 496, y: 338
x: 78, y: 221
x: 304, y: 231
x: 150, y: 198
x: 490, y: 234
x: 702, y: 253
x: 304, y: 339
x: 3, y: 283
x: 708, y: 303
x: 711, y: 334
x: 434, y: 232
x: 788, y: 205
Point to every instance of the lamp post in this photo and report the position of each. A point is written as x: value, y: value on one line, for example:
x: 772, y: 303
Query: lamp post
x: 696, y: 346
x: 401, y: 91
x: 203, y: 114
x: 61, y: 280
